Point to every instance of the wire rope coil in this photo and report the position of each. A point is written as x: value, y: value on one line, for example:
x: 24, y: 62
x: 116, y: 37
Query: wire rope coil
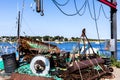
x: 40, y: 65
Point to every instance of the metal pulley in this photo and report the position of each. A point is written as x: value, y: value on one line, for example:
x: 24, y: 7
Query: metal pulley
x: 40, y: 65
x: 39, y: 7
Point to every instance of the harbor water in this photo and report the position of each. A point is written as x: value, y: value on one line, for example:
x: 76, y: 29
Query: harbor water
x: 6, y: 47
x: 68, y: 46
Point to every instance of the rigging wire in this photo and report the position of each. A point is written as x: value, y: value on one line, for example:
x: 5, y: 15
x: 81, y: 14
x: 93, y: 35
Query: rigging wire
x: 100, y: 9
x: 22, y: 11
x: 99, y: 12
x: 27, y: 25
x: 83, y: 6
x: 17, y: 7
x: 90, y: 10
x: 97, y: 17
x: 104, y: 13
x: 86, y: 3
x: 96, y: 24
x: 77, y: 11
x: 63, y: 11
x: 62, y: 4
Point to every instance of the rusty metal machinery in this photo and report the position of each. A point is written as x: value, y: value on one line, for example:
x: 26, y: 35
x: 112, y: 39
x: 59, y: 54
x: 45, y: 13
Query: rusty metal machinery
x: 62, y: 64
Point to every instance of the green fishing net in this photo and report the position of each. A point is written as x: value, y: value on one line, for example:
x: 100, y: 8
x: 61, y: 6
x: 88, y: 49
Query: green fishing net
x: 25, y: 69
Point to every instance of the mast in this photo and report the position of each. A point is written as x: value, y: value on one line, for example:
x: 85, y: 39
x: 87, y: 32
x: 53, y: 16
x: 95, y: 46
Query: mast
x: 18, y: 31
x: 18, y: 35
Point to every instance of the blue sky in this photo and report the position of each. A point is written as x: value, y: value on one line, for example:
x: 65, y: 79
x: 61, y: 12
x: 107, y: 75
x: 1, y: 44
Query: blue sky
x: 54, y: 22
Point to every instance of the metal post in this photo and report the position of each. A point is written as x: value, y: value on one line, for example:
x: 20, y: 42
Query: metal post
x: 114, y: 30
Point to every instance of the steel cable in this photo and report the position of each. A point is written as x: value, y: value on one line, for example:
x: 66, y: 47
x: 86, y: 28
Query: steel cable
x: 63, y: 11
x: 104, y: 13
x: 96, y: 24
x: 94, y: 18
x: 62, y: 4
x: 83, y: 6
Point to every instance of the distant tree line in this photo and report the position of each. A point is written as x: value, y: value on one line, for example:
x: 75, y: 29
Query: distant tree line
x: 46, y: 38
x: 40, y: 38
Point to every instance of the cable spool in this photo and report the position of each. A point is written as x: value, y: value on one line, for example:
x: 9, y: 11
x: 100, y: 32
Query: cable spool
x: 40, y: 65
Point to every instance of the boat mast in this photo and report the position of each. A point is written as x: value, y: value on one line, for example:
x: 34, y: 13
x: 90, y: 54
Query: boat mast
x: 18, y: 35
x: 18, y: 31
